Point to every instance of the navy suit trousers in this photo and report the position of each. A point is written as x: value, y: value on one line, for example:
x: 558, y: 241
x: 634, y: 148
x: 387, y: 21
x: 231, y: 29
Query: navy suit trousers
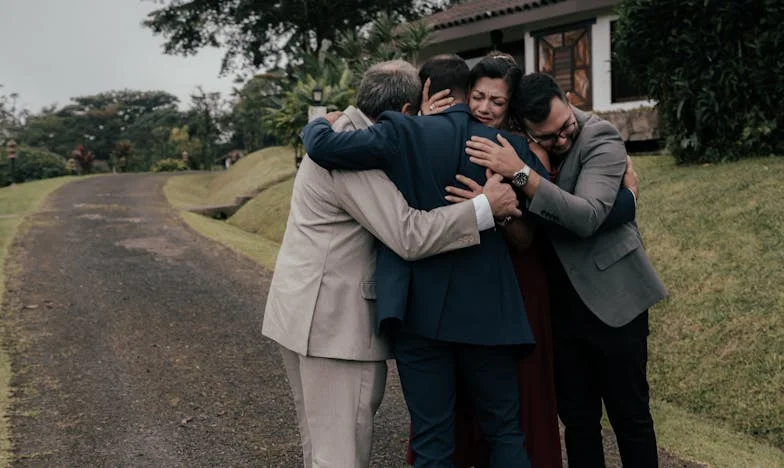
x: 429, y: 371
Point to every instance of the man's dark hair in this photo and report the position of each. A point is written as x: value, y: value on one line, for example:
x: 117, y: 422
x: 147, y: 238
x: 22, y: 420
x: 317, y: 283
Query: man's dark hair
x: 497, y: 65
x: 534, y: 95
x: 446, y: 72
x: 388, y: 86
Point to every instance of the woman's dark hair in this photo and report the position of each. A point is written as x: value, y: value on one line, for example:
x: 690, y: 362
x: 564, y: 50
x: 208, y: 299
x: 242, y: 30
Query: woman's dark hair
x: 498, y: 65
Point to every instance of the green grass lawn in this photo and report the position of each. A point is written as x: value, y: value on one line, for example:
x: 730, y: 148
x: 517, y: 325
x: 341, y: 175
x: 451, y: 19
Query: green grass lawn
x: 16, y: 202
x: 716, y: 236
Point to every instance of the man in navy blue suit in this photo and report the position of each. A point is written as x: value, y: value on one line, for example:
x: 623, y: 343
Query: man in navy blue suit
x: 454, y: 316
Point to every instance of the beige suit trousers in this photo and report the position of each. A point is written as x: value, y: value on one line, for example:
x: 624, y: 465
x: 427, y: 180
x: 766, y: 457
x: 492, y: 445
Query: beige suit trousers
x: 336, y: 401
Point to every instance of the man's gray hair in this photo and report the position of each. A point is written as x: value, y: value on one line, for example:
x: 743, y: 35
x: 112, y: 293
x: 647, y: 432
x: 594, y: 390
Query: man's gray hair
x: 388, y: 86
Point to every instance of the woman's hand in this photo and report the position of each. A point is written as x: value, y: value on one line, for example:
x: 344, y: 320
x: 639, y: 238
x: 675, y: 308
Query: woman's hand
x: 630, y: 179
x: 503, y: 200
x: 501, y: 159
x: 457, y: 195
x: 437, y: 102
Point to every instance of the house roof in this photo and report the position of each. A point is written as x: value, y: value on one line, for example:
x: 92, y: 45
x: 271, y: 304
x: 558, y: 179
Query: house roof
x: 476, y: 10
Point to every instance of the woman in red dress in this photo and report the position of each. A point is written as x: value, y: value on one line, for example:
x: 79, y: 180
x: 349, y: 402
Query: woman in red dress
x: 493, y: 80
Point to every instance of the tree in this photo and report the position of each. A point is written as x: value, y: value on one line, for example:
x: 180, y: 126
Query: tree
x: 206, y: 118
x: 716, y: 69
x: 261, y: 33
x: 12, y: 115
x: 256, y: 99
x: 97, y: 121
x: 182, y: 143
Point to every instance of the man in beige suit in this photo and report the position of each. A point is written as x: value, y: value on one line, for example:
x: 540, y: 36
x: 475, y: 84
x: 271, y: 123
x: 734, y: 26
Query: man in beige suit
x: 321, y: 304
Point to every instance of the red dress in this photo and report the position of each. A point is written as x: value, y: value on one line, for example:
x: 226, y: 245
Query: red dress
x: 538, y: 409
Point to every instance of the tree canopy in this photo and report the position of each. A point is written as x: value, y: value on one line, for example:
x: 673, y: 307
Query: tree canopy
x: 260, y: 33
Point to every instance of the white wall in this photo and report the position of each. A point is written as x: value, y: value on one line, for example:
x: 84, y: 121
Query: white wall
x: 602, y: 69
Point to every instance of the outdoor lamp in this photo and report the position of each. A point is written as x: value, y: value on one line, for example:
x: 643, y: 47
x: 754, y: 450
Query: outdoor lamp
x: 317, y: 95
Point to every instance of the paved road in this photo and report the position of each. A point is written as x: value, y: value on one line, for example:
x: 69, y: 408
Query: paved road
x: 136, y: 342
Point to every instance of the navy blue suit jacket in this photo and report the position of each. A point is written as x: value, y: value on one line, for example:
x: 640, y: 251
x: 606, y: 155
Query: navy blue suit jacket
x: 465, y: 296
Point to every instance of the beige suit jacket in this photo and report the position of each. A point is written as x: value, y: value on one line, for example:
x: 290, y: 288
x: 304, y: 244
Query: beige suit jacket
x: 322, y: 296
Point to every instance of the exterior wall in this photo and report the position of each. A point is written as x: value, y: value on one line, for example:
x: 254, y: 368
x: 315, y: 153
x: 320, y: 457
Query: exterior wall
x: 636, y: 120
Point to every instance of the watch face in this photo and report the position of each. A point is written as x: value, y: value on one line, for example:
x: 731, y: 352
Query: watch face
x: 520, y: 179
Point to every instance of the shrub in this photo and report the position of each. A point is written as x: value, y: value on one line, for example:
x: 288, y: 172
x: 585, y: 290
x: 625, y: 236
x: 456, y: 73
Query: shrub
x: 169, y: 165
x: 716, y: 69
x: 83, y: 158
x: 33, y: 164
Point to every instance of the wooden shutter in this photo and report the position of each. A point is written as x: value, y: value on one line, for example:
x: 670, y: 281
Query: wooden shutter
x: 565, y: 54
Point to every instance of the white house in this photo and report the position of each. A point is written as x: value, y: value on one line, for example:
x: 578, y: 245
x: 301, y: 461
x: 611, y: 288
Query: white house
x: 569, y: 39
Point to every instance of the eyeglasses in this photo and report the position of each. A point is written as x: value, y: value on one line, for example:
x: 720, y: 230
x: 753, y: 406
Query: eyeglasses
x: 562, y: 133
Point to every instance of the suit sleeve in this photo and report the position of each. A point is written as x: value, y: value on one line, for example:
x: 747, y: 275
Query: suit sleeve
x: 375, y: 203
x: 357, y: 150
x: 603, y: 165
x: 623, y: 211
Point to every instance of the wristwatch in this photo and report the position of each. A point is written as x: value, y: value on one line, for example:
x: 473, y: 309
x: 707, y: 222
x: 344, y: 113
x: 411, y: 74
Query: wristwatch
x: 503, y: 222
x: 520, y: 178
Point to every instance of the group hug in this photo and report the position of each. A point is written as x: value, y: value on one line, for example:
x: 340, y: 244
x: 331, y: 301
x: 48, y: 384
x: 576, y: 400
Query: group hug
x: 474, y: 226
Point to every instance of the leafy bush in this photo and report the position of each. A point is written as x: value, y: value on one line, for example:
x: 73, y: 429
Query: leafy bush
x: 716, y: 69
x: 33, y: 164
x: 169, y: 165
x: 285, y: 123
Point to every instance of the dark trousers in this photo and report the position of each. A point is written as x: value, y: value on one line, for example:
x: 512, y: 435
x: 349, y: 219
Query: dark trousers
x: 596, y: 363
x: 429, y: 371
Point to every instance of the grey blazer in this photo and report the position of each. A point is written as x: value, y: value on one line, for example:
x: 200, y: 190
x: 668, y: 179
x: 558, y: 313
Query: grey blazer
x: 609, y: 269
x: 321, y: 300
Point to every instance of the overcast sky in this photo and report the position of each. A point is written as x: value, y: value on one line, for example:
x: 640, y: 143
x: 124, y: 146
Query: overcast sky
x: 52, y: 50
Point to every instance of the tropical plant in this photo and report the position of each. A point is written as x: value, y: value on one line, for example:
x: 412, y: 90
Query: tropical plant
x: 286, y: 122
x: 84, y: 159
x: 386, y: 38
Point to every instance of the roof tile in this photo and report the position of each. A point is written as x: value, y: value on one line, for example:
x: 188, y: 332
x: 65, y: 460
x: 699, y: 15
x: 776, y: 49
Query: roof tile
x: 476, y: 10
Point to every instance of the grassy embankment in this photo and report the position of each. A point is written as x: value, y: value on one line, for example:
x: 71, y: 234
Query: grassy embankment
x: 16, y: 203
x: 257, y: 228
x: 716, y: 236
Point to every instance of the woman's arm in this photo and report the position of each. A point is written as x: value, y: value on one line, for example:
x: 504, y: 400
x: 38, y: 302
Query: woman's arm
x: 518, y: 235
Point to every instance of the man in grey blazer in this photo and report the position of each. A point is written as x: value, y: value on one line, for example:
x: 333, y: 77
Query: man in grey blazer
x: 321, y: 303
x: 602, y: 282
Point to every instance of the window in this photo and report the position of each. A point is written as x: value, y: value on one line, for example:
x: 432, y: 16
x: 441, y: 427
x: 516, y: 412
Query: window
x: 622, y: 89
x: 565, y: 54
